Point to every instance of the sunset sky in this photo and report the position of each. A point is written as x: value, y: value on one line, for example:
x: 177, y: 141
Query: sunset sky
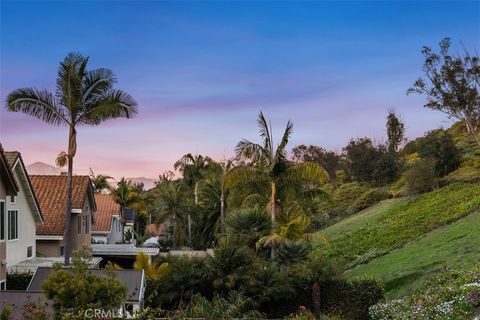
x: 201, y: 72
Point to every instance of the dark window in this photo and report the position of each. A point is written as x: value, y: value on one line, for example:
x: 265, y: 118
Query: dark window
x: 12, y: 199
x: 2, y: 285
x: 62, y: 250
x: 29, y: 251
x: 87, y: 224
x: 12, y: 224
x: 2, y: 221
x: 79, y: 224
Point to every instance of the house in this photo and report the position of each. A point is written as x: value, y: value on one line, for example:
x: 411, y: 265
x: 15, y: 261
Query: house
x: 134, y: 280
x: 22, y: 300
x: 108, y: 227
x: 8, y: 188
x: 128, y: 220
x: 51, y: 192
x: 23, y: 215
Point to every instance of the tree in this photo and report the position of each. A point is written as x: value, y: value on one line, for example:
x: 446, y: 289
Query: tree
x: 249, y: 225
x: 452, y: 85
x: 192, y: 167
x: 82, y: 98
x: 269, y: 164
x: 438, y: 146
x: 100, y: 181
x: 126, y: 195
x: 366, y: 162
x: 395, y: 131
x: 77, y: 289
x: 329, y: 160
x: 172, y: 205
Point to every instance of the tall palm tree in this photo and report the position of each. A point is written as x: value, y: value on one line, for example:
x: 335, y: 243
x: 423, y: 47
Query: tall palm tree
x: 193, y: 167
x: 269, y: 163
x: 82, y: 97
x: 172, y: 205
x: 100, y: 181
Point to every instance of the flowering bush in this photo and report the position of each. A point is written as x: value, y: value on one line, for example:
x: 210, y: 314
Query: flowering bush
x: 451, y: 296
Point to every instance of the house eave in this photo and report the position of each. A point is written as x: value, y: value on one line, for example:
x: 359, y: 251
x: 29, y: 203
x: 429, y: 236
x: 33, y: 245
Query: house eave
x: 40, y: 237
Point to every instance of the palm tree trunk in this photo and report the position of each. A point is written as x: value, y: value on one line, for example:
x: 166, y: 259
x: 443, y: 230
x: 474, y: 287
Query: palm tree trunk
x: 175, y: 231
x: 273, y: 203
x: 316, y: 299
x: 72, y: 149
x: 222, y: 212
x: 68, y: 213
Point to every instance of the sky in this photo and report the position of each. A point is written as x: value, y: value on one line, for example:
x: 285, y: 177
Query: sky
x: 202, y: 71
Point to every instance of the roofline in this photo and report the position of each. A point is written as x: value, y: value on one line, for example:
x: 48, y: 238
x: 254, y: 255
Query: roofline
x: 30, y: 187
x: 114, y: 216
x: 9, y: 172
x: 45, y: 237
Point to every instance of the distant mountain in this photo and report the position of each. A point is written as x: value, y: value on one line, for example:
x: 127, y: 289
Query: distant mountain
x: 148, y: 183
x: 40, y: 168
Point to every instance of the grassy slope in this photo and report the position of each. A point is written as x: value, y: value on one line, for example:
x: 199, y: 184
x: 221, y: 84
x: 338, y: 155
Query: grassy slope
x: 402, y: 223
x: 402, y: 270
x: 362, y: 219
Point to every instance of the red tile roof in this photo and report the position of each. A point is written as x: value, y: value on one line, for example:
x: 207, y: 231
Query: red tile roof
x: 106, y: 208
x: 51, y: 192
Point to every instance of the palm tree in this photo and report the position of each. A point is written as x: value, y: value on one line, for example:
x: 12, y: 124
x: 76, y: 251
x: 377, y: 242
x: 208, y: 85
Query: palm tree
x: 126, y: 195
x: 192, y: 167
x: 269, y: 164
x: 100, y: 181
x: 172, y: 205
x: 82, y: 98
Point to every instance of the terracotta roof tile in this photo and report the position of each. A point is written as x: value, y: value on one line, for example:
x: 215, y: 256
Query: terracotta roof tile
x: 51, y: 192
x: 106, y: 208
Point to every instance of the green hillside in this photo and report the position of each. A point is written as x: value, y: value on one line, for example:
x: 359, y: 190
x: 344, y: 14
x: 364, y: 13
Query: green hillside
x: 454, y: 246
x: 407, y: 221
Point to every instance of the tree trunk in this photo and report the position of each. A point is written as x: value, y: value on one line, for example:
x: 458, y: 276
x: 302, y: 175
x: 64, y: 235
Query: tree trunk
x: 72, y: 149
x: 273, y: 204
x: 316, y: 299
x: 471, y: 129
x: 222, y: 212
x: 174, y: 231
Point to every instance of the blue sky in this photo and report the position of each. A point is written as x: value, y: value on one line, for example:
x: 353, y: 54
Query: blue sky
x: 201, y: 71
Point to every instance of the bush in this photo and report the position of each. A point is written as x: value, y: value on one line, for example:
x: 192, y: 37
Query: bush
x: 350, y: 300
x: 346, y: 194
x: 18, y: 280
x: 369, y: 199
x: 420, y: 178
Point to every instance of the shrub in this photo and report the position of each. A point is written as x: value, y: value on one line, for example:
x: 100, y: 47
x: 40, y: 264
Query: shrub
x: 438, y: 146
x: 18, y: 280
x: 351, y: 300
x: 369, y: 199
x: 420, y: 177
x: 346, y: 194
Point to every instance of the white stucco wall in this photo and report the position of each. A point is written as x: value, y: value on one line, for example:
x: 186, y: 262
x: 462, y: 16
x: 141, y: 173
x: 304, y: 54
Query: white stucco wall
x: 17, y: 249
x: 116, y: 234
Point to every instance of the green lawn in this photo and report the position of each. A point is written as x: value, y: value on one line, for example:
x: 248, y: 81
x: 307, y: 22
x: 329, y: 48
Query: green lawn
x: 453, y: 246
x: 391, y: 225
x: 362, y: 219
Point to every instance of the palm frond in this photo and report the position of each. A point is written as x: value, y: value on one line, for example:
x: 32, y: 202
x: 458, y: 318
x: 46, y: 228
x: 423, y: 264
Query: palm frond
x: 246, y: 149
x: 40, y: 104
x: 69, y: 82
x: 96, y: 83
x: 272, y: 240
x: 316, y: 236
x: 280, y: 153
x: 114, y: 104
x: 265, y: 133
x: 243, y: 175
x: 307, y: 171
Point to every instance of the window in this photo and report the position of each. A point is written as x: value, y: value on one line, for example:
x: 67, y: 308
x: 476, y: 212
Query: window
x: 12, y: 224
x: 62, y: 250
x: 87, y: 225
x: 79, y: 224
x: 13, y: 199
x: 2, y: 221
x: 29, y: 251
x: 2, y: 285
